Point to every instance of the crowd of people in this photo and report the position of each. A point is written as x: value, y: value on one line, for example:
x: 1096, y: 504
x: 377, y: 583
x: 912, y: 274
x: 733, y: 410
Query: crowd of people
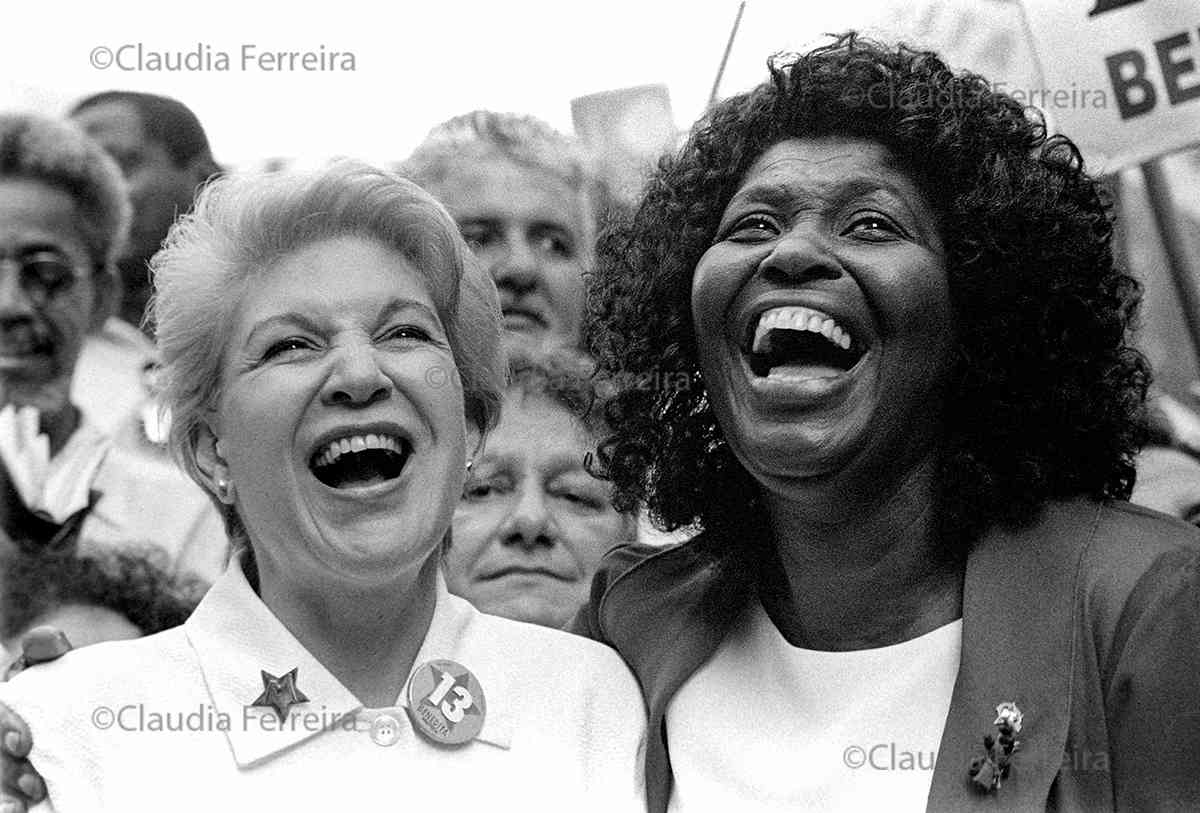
x: 825, y: 445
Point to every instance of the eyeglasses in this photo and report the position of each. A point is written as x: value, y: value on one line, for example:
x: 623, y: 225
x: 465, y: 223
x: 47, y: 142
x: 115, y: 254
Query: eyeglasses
x: 43, y: 275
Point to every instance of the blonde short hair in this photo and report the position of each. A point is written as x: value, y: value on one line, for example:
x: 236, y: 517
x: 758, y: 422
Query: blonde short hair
x: 241, y: 225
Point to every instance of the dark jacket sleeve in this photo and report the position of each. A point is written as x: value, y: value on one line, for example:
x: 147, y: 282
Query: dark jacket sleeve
x: 618, y: 560
x: 1153, y: 689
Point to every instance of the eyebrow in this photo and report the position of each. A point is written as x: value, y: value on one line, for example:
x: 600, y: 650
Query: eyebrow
x: 559, y: 465
x: 305, y: 322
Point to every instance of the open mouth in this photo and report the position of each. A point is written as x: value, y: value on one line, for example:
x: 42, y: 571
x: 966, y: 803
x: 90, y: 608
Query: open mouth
x: 355, y: 461
x: 802, y: 343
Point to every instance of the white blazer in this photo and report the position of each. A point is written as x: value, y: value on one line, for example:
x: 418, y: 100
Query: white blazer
x: 164, y: 722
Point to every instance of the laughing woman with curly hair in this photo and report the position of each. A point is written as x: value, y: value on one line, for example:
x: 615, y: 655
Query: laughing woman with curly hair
x: 906, y: 445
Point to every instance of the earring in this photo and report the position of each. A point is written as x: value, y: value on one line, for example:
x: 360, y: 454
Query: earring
x: 470, y: 463
x: 224, y: 490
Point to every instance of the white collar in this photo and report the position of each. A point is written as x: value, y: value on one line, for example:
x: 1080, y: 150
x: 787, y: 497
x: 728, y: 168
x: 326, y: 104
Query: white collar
x: 236, y: 637
x: 56, y: 486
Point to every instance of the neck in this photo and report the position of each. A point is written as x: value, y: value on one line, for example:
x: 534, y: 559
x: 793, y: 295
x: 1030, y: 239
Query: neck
x: 860, y: 573
x: 367, y: 637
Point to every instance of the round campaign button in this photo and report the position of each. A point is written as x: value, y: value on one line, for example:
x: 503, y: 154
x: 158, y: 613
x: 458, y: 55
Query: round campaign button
x: 446, y: 703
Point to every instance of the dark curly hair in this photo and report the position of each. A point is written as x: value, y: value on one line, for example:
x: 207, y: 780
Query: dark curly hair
x: 1046, y: 397
x: 133, y: 583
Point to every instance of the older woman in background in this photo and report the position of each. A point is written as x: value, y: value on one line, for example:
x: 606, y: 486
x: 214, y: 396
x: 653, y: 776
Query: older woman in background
x: 908, y: 440
x: 326, y: 339
x: 534, y: 521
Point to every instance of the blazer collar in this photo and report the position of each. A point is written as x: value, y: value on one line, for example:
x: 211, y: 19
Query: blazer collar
x: 1019, y: 599
x: 1018, y: 644
x: 236, y: 637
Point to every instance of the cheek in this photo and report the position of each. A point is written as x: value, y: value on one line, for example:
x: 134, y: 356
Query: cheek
x: 714, y: 287
x: 73, y: 318
x: 593, y: 537
x: 473, y: 527
x: 565, y: 279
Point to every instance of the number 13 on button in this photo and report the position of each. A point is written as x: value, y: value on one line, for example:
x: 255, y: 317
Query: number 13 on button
x: 446, y: 703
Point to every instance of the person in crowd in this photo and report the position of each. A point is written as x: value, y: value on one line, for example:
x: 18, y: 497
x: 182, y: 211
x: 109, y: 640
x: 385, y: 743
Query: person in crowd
x: 529, y: 201
x: 113, y: 596
x: 908, y: 443
x: 533, y: 521
x: 164, y: 155
x: 1168, y: 467
x: 63, y: 219
x: 327, y: 338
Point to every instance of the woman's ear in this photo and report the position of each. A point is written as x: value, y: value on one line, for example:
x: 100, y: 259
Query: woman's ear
x: 212, y: 464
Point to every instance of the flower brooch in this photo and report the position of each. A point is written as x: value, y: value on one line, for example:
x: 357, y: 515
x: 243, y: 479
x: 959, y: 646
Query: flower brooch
x: 987, y: 771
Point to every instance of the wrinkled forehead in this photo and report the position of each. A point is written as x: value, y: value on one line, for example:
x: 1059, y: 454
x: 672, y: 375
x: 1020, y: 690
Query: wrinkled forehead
x: 499, y: 188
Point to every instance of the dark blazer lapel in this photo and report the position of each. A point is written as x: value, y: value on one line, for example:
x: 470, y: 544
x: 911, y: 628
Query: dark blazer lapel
x: 1018, y: 633
x: 667, y: 615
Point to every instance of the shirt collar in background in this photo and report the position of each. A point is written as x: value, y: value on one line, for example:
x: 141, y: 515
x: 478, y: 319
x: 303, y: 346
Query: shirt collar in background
x: 53, y: 487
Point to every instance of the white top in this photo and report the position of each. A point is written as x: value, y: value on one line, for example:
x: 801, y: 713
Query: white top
x: 564, y: 726
x: 109, y: 379
x: 766, y: 726
x: 144, y: 502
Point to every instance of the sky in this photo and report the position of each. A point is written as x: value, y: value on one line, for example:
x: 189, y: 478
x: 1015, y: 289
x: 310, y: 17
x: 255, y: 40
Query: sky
x: 415, y: 64
x: 419, y: 63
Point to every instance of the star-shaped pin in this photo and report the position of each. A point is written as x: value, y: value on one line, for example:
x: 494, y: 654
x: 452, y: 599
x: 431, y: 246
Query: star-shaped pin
x: 280, y: 693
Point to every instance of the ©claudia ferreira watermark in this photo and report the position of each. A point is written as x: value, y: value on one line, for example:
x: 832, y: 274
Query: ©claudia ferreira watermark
x: 887, y: 95
x: 384, y: 728
x: 606, y: 384
x: 888, y: 756
x: 892, y: 756
x: 248, y: 57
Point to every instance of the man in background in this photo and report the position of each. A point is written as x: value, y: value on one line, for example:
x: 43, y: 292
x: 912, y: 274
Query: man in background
x: 529, y: 201
x: 163, y: 153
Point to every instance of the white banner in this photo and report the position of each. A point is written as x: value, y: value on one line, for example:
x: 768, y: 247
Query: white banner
x: 1121, y: 77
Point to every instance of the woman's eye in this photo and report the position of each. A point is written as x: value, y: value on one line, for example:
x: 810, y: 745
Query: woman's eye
x: 752, y: 228
x: 284, y: 346
x: 872, y: 224
x: 479, y: 237
x: 480, y: 489
x: 407, y: 332
x: 581, y: 498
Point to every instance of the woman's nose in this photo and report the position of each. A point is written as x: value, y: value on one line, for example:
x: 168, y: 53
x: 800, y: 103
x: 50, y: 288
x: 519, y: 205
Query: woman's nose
x: 802, y: 253
x: 356, y: 378
x: 529, y: 522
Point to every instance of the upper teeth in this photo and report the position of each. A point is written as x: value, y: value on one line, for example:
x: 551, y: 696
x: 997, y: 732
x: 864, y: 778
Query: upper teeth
x: 796, y: 318
x: 355, y: 443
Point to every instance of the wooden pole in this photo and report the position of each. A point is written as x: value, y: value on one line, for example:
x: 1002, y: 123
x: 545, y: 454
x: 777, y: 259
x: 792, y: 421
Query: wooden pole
x: 712, y: 97
x: 1174, y: 246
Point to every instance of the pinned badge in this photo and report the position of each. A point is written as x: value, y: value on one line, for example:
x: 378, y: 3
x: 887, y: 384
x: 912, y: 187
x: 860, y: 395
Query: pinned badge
x: 446, y: 703
x: 280, y: 693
